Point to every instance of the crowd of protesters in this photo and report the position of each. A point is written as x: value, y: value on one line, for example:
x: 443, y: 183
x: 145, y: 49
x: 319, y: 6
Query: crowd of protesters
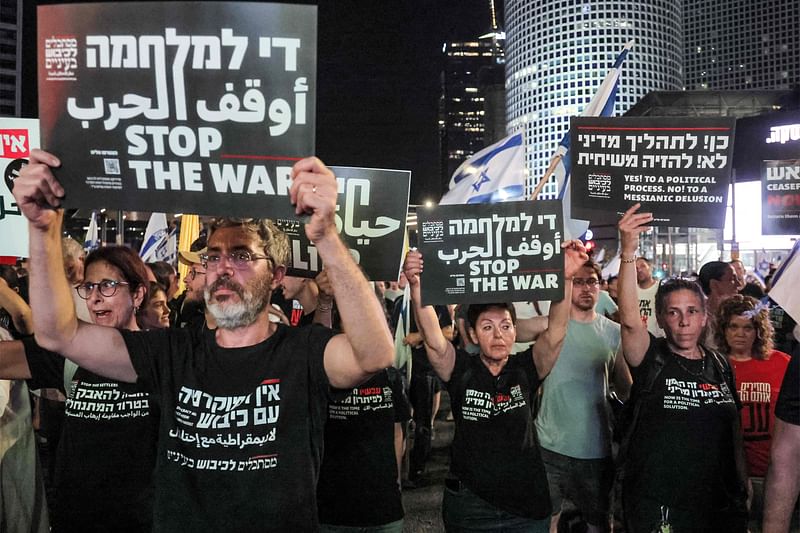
x: 257, y: 401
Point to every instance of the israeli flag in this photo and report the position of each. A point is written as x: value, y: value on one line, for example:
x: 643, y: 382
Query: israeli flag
x: 495, y: 174
x: 92, y: 241
x: 602, y: 105
x: 784, y: 284
x: 155, y: 236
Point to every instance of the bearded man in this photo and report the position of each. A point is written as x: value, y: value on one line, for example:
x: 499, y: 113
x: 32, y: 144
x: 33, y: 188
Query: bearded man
x: 242, y: 406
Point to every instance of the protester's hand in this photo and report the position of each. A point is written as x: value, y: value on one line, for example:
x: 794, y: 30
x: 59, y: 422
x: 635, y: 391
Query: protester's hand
x: 413, y: 339
x: 630, y: 226
x: 36, y: 190
x: 412, y: 267
x: 575, y: 257
x: 313, y: 193
x: 278, y: 313
x: 325, y: 287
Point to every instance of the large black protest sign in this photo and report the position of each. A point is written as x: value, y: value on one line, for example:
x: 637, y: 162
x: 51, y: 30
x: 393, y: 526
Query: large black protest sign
x: 486, y: 253
x: 677, y: 168
x: 198, y: 107
x: 780, y: 194
x: 371, y: 214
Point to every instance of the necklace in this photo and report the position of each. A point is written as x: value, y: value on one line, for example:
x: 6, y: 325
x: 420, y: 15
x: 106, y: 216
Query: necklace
x: 694, y: 373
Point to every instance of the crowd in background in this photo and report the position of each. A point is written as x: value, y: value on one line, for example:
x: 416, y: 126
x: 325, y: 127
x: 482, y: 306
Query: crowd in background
x: 606, y: 342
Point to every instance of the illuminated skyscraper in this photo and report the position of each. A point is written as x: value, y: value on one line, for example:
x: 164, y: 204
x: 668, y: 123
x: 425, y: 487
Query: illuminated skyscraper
x: 10, y: 57
x: 558, y: 52
x: 741, y: 44
x: 472, y: 105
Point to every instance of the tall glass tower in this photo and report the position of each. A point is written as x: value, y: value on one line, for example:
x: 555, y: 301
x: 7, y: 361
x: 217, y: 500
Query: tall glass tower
x: 558, y: 52
x: 740, y: 44
x: 10, y: 57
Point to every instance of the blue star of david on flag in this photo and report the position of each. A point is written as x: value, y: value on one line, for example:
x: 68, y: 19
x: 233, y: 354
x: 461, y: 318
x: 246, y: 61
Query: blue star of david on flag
x: 494, y: 174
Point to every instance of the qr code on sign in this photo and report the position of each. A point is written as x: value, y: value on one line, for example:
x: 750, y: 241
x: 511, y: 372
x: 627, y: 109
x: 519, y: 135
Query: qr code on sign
x: 433, y: 231
x: 111, y: 166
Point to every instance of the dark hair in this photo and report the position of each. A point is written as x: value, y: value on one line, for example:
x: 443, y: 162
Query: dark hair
x: 474, y: 311
x: 595, y: 267
x: 677, y: 284
x: 123, y: 259
x: 162, y: 271
x: 758, y: 314
x: 152, y: 289
x: 611, y: 278
x: 713, y: 270
x: 9, y: 273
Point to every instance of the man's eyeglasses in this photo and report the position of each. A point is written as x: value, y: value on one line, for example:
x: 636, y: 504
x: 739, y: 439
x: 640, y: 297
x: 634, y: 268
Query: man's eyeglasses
x: 589, y: 282
x: 240, y: 259
x: 194, y: 273
x: 107, y: 287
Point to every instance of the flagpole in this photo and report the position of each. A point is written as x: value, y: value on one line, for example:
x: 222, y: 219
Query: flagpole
x: 542, y: 182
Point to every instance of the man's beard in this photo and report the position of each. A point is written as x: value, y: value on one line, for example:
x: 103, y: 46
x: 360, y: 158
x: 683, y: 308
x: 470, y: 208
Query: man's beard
x: 253, y: 299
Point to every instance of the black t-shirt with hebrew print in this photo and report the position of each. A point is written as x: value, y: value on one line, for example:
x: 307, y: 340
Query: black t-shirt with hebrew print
x: 495, y: 452
x: 682, y: 452
x: 107, y: 450
x: 240, y: 440
x: 358, y: 482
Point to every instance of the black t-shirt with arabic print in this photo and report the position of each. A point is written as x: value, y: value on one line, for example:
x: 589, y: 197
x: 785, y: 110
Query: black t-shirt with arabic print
x: 240, y: 440
x: 107, y: 450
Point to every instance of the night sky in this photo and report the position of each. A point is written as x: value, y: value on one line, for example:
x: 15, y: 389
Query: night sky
x: 379, y: 66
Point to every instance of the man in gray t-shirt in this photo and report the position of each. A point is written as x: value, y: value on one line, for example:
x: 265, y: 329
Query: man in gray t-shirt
x: 573, y: 420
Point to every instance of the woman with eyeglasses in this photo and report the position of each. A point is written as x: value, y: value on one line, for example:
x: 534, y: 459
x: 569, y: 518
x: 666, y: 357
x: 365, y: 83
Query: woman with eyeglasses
x: 106, y: 455
x: 744, y: 333
x: 497, y: 480
x: 683, y: 462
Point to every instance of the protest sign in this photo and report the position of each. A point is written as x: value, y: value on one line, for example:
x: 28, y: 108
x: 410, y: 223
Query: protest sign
x: 371, y: 217
x: 17, y: 137
x: 677, y: 168
x: 486, y: 253
x: 780, y: 197
x: 199, y: 107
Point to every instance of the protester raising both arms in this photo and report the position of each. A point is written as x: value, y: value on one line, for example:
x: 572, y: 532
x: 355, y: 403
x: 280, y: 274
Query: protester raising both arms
x: 243, y: 406
x: 683, y: 457
x: 497, y: 478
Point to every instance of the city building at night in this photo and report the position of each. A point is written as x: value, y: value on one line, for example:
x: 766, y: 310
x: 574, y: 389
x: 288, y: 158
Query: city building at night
x: 472, y: 102
x: 10, y: 54
x: 741, y: 45
x: 557, y: 54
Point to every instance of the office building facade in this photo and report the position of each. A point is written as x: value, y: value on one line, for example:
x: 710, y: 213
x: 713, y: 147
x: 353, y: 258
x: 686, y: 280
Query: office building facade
x: 558, y: 52
x: 10, y: 57
x: 741, y: 44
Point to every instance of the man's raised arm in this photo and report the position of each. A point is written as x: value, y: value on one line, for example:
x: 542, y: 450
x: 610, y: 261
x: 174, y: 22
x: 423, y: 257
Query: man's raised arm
x: 366, y: 347
x: 99, y: 349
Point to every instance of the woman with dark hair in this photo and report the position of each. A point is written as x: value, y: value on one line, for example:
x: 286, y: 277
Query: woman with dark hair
x: 497, y: 479
x: 744, y: 334
x: 683, y: 460
x: 106, y: 455
x: 154, y: 311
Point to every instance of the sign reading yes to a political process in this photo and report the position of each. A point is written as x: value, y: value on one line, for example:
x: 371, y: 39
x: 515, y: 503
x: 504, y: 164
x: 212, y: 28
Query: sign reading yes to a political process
x: 371, y: 217
x: 486, y: 253
x: 780, y: 197
x: 17, y: 137
x: 199, y: 107
x: 677, y: 168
